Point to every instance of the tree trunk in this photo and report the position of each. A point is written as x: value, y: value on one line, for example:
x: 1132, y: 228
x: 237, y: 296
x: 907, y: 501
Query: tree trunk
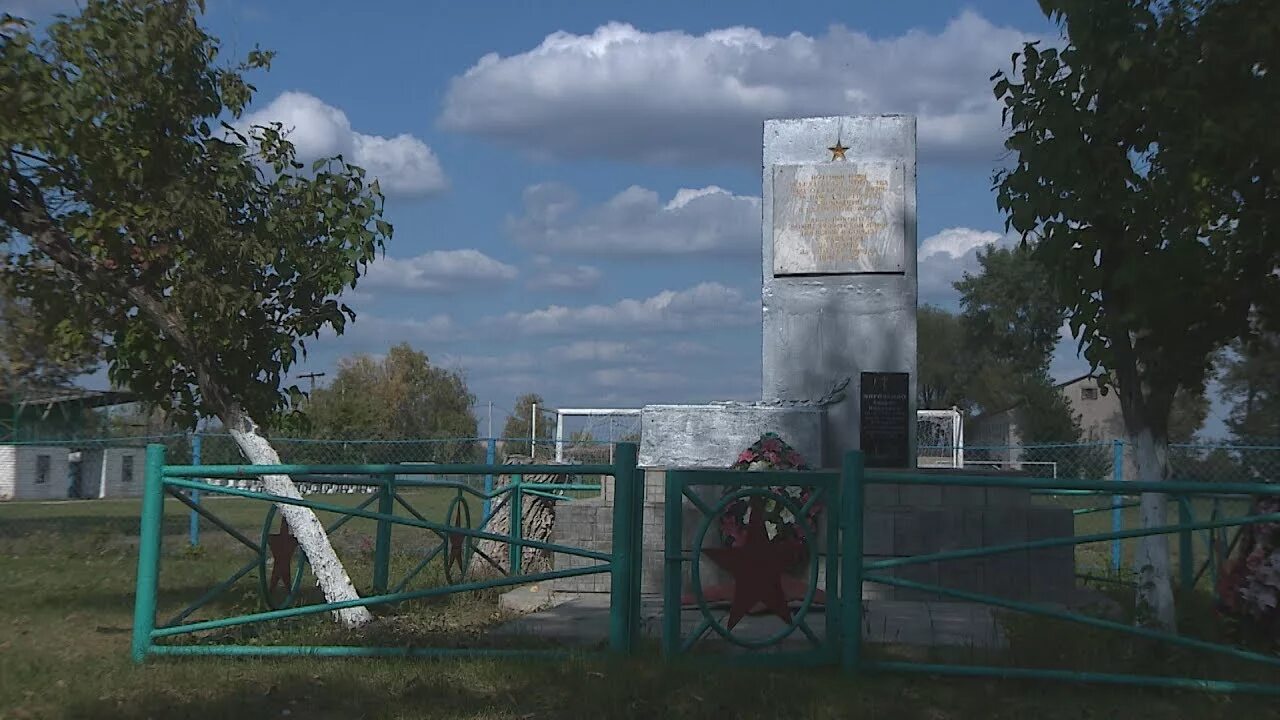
x: 537, y: 521
x: 1155, y: 605
x: 331, y: 576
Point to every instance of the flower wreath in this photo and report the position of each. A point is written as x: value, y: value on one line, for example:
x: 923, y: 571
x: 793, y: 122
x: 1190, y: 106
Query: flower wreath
x: 770, y: 452
x: 1249, y: 582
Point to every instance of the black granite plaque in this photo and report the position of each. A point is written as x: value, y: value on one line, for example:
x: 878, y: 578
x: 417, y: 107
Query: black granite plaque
x: 885, y: 419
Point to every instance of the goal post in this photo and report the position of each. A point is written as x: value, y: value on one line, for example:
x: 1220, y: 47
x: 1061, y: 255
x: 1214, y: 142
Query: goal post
x: 563, y: 413
x: 940, y: 438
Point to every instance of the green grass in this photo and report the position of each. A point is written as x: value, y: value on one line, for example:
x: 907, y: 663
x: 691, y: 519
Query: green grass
x: 66, y: 600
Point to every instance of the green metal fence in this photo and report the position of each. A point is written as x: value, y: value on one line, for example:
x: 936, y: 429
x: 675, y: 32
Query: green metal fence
x: 456, y: 536
x: 1185, y: 496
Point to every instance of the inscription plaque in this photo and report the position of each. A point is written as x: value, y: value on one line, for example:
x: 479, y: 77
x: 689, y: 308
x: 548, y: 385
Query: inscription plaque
x: 838, y: 218
x: 885, y: 419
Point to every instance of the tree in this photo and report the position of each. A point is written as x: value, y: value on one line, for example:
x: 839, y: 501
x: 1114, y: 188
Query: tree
x: 1154, y: 220
x: 1187, y: 415
x: 1011, y: 323
x: 401, y: 396
x: 1010, y: 312
x: 1251, y: 383
x: 35, y: 355
x: 940, y: 365
x: 202, y: 255
x: 519, y: 426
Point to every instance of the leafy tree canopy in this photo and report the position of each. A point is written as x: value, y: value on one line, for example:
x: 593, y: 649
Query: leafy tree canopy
x: 138, y: 219
x: 519, y: 426
x: 400, y: 396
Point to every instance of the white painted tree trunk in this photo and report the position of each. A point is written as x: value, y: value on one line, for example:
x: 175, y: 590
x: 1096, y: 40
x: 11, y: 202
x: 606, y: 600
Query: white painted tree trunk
x: 331, y: 576
x: 1155, y: 604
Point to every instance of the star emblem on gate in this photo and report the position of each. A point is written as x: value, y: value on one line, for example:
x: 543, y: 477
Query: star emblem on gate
x: 282, y: 545
x: 758, y: 567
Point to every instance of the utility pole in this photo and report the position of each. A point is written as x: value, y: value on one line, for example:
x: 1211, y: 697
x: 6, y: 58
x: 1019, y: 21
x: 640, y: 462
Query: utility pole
x: 312, y: 377
x: 533, y: 432
x: 490, y: 435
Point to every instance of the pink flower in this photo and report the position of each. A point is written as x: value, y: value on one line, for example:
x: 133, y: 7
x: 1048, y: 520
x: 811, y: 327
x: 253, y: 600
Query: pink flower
x: 745, y: 457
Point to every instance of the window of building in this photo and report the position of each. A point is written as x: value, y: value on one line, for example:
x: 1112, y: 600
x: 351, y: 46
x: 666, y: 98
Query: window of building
x: 42, y: 468
x: 1088, y: 393
x: 126, y: 469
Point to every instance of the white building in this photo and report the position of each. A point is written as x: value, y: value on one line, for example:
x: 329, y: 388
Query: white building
x: 111, y: 472
x: 34, y: 472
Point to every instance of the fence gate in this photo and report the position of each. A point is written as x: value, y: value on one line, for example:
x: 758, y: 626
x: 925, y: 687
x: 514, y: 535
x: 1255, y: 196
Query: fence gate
x: 751, y: 558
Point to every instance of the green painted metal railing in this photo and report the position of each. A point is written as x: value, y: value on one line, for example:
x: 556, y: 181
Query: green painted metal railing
x: 857, y: 571
x: 183, y: 481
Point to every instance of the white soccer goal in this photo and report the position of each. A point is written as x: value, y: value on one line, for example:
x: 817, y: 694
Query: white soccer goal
x: 940, y: 438
x: 605, y: 425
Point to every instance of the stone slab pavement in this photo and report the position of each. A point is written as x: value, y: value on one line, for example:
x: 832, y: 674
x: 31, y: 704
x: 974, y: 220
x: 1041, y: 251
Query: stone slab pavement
x: 583, y: 620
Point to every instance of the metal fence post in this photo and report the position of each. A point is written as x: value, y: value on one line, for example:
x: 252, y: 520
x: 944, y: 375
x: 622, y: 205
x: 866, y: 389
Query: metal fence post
x: 194, y: 530
x: 1186, y: 546
x: 623, y: 614
x: 852, y: 491
x: 382, y: 543
x: 515, y: 520
x: 490, y: 454
x: 672, y: 563
x: 1117, y: 502
x: 144, y: 602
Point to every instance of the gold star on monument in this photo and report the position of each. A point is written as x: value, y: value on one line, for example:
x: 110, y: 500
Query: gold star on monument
x: 837, y: 151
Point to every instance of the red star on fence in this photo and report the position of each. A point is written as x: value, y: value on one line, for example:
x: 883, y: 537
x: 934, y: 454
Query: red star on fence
x: 456, y: 542
x: 283, y: 545
x: 758, y: 567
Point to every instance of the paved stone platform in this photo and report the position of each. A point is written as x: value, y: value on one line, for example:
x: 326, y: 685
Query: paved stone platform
x: 583, y: 620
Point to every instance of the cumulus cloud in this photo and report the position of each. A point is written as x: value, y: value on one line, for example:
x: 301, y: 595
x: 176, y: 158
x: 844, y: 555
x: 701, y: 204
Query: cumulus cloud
x: 638, y: 379
x: 593, y: 351
x: 944, y: 258
x: 551, y: 275
x: 378, y: 331
x: 636, y: 221
x: 707, y: 305
x: 438, y: 271
x: 403, y: 164
x: 672, y: 97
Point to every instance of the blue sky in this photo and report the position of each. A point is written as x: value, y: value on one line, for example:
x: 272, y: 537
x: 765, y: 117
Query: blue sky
x: 575, y: 185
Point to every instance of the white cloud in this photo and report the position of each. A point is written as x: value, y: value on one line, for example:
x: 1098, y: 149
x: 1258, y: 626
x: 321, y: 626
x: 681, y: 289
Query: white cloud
x: 377, y: 332
x: 707, y: 305
x: 634, y: 379
x: 403, y: 164
x: 592, y: 351
x: 672, y: 97
x: 489, y: 363
x: 550, y: 275
x: 944, y: 258
x: 438, y: 271
x: 637, y: 222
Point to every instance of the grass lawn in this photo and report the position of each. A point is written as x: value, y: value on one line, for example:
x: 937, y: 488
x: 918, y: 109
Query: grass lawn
x: 66, y: 600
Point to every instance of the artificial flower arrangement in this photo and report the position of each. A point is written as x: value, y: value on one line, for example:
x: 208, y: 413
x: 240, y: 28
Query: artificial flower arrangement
x: 1249, y: 583
x: 770, y: 452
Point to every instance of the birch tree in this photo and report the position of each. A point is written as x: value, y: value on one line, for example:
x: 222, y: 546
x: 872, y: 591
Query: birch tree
x: 1145, y: 172
x: 199, y: 256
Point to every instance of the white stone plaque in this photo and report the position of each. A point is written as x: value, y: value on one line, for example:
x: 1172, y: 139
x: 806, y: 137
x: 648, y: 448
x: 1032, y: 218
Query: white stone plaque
x: 838, y: 218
